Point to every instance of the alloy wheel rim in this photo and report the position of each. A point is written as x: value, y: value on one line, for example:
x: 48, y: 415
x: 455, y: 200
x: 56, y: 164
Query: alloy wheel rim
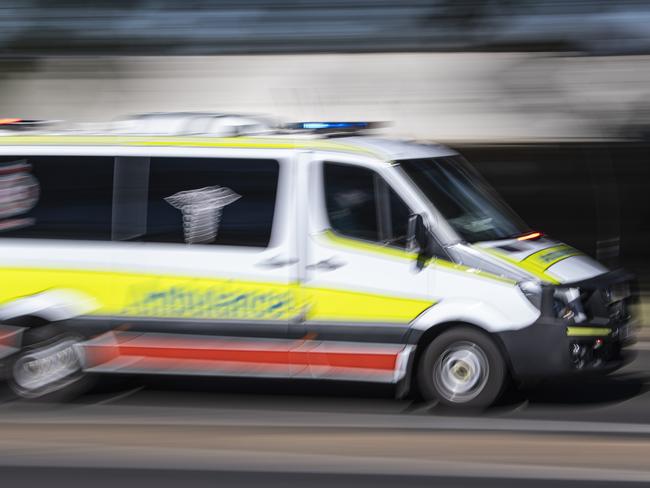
x: 461, y: 372
x: 46, y: 369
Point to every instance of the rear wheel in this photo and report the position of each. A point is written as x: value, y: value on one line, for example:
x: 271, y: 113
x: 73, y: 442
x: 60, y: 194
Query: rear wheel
x: 48, y: 366
x: 462, y: 368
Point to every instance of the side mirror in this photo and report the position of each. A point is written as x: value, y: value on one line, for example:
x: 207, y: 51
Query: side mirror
x: 419, y: 240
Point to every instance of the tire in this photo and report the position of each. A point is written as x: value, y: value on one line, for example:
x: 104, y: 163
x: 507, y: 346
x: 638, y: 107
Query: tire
x: 48, y: 366
x: 463, y: 368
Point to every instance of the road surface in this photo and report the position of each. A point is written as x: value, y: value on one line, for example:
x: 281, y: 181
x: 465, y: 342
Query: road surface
x: 214, y: 432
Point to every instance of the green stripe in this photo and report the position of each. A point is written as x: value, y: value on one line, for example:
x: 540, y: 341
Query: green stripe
x: 587, y: 331
x: 226, y: 142
x: 529, y: 267
x: 563, y: 251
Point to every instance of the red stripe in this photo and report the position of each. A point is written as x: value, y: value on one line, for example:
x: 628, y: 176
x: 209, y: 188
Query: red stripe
x: 166, y: 365
x: 383, y: 361
x: 366, y: 360
x: 259, y: 356
x: 199, y: 343
x: 218, y: 353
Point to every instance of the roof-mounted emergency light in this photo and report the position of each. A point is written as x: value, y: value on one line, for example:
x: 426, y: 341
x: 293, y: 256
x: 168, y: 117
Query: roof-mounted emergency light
x: 333, y: 126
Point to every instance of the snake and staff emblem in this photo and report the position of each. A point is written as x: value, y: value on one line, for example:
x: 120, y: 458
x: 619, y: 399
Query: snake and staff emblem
x: 19, y: 193
x: 202, y: 209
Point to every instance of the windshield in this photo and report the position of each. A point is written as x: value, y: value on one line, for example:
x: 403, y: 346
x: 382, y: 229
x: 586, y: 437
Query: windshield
x: 469, y: 203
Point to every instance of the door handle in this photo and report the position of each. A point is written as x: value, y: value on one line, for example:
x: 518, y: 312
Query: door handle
x: 277, y: 262
x: 328, y: 264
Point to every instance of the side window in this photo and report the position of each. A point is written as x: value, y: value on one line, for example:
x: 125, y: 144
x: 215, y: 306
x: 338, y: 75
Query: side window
x: 211, y: 201
x: 360, y: 204
x: 56, y: 197
x: 351, y: 201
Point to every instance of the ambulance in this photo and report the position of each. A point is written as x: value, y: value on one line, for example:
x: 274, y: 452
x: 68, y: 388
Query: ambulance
x: 314, y: 251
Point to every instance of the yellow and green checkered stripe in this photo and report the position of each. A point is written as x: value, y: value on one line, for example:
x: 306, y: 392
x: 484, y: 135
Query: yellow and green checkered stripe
x: 539, y: 262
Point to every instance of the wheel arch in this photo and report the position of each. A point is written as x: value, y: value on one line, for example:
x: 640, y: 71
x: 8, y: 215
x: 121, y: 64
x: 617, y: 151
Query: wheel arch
x: 422, y: 338
x: 50, y: 305
x: 25, y: 315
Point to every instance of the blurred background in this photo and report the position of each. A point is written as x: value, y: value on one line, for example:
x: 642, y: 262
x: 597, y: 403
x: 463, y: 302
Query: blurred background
x: 550, y: 99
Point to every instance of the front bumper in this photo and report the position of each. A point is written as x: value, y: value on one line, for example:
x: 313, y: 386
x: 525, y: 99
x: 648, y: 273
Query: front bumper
x: 548, y: 349
x: 551, y: 347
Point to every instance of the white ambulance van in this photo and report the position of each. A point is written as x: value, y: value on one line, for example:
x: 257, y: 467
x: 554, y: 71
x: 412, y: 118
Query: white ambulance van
x: 288, y: 255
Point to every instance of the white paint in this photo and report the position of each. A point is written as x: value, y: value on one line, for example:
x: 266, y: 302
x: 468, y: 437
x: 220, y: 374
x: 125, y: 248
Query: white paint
x: 576, y: 268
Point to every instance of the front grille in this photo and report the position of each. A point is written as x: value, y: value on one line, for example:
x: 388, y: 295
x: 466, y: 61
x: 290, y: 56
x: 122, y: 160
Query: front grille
x: 599, y: 306
x: 606, y: 302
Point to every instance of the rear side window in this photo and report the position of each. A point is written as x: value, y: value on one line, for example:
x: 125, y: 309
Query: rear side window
x: 197, y: 200
x: 360, y: 204
x: 56, y: 197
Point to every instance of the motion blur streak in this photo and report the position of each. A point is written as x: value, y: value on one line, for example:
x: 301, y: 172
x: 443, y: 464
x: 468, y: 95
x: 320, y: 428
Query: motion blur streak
x: 550, y: 101
x: 491, y: 97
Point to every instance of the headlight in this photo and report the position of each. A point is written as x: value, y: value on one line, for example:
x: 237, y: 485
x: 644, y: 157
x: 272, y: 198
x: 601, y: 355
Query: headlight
x: 568, y: 306
x: 533, y: 291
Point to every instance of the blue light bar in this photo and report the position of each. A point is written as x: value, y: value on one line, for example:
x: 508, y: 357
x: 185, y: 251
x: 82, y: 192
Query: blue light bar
x: 330, y: 125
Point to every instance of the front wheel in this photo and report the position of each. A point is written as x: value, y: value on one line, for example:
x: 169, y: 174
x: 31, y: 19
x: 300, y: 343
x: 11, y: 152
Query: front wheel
x: 462, y: 368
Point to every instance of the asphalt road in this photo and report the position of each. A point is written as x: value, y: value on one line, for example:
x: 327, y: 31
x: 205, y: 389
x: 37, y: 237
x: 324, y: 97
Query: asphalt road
x: 173, y: 431
x: 109, y: 478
